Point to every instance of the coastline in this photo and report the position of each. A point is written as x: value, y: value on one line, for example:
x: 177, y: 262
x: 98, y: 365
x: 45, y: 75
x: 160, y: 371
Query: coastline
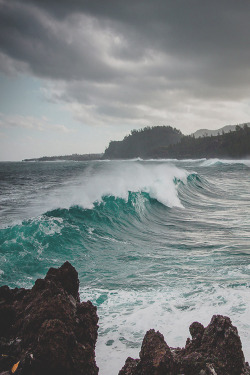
x: 47, y: 329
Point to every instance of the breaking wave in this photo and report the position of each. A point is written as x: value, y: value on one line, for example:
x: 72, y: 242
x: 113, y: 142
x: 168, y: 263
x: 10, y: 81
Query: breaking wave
x: 157, y: 244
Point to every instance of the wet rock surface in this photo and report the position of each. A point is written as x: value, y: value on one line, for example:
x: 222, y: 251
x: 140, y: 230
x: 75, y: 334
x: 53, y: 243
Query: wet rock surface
x: 46, y: 330
x: 214, y: 350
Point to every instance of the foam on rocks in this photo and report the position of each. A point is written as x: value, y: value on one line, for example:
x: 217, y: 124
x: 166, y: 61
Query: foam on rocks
x: 47, y: 330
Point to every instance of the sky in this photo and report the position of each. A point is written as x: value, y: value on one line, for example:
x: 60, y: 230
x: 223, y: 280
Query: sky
x: 75, y: 75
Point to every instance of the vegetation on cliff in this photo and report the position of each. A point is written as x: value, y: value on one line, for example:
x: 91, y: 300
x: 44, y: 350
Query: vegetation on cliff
x: 235, y: 144
x: 167, y: 142
x: 142, y: 143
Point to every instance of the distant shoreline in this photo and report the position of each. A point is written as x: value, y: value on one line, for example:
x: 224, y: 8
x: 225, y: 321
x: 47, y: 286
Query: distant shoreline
x: 73, y: 157
x: 165, y: 142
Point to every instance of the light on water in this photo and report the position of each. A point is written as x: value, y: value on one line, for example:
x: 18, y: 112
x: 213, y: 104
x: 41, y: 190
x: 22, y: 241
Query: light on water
x: 157, y: 244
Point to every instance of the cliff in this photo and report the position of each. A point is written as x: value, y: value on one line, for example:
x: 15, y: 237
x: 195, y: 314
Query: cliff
x: 168, y: 143
x: 232, y: 145
x: 142, y: 143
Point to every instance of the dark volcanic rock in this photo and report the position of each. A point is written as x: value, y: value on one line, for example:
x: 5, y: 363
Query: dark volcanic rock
x: 46, y: 328
x: 67, y: 276
x: 155, y: 357
x: 130, y: 367
x: 222, y: 343
x: 218, y: 345
x: 214, y: 350
x: 47, y: 331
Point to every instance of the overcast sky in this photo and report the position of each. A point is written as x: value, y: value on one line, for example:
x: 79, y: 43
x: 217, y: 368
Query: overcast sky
x: 76, y: 74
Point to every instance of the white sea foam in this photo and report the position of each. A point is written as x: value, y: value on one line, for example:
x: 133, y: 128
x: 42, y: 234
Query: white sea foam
x: 97, y: 180
x: 49, y: 226
x: 125, y: 316
x: 118, y: 180
x: 192, y: 160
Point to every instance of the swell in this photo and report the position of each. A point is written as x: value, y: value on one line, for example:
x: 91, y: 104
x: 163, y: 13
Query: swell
x: 226, y: 162
x: 153, y: 243
x: 114, y: 231
x: 152, y: 225
x: 30, y: 190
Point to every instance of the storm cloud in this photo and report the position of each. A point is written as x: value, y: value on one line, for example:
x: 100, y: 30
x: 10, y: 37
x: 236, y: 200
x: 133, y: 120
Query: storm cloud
x: 184, y: 63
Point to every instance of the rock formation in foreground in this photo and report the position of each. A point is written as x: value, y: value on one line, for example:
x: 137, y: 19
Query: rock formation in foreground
x: 214, y: 350
x: 46, y: 330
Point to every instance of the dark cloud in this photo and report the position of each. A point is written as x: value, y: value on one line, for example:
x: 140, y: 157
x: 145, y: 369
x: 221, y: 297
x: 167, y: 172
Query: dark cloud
x: 117, y: 60
x: 194, y: 25
x: 49, y: 48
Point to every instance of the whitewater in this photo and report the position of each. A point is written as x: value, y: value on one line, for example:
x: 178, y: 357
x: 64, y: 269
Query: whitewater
x: 157, y: 243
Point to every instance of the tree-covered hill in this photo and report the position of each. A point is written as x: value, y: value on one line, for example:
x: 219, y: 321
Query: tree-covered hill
x: 168, y: 142
x: 142, y: 143
x: 235, y: 144
x: 225, y: 129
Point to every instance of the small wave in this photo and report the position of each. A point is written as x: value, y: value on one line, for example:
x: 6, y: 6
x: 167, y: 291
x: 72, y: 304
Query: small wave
x: 122, y: 160
x: 160, y: 160
x: 192, y: 160
x: 212, y: 162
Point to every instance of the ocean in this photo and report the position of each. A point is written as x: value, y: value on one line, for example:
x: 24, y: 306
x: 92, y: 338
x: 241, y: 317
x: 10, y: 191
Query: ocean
x: 157, y: 243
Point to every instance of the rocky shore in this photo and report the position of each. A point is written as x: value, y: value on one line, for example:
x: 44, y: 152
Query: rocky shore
x: 47, y: 330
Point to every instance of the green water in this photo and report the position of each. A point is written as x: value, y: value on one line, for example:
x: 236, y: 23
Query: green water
x: 157, y: 244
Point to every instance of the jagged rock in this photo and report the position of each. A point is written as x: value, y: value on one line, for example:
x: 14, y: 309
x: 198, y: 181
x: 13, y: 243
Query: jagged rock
x: 218, y: 346
x: 155, y: 357
x: 67, y: 276
x: 214, y: 350
x: 46, y: 328
x: 196, y: 330
x: 130, y: 367
x: 222, y: 343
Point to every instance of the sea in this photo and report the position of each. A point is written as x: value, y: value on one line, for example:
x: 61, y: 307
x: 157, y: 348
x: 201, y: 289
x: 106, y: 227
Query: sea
x: 157, y: 243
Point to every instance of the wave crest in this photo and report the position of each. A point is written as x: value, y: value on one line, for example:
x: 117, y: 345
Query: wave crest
x: 214, y: 162
x: 118, y: 180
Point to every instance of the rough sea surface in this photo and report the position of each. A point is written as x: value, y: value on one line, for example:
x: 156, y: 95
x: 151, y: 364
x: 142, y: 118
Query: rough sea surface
x: 157, y: 244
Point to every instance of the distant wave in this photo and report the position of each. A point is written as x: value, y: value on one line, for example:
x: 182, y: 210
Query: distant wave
x: 212, y: 162
x: 202, y: 161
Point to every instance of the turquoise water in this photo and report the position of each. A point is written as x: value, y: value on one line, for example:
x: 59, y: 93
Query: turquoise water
x: 157, y: 244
